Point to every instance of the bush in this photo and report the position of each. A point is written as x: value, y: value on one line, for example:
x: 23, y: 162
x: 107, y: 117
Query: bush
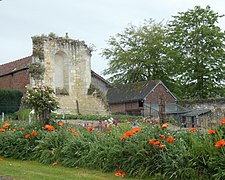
x: 10, y: 100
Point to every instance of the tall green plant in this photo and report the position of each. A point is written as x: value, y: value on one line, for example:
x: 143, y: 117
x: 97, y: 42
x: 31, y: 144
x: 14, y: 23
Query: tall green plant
x: 42, y: 100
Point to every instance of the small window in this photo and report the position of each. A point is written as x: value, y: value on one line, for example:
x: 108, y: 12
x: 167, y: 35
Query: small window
x: 141, y: 103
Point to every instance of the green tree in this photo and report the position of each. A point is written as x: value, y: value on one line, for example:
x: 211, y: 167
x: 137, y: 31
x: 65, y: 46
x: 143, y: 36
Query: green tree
x: 137, y: 54
x: 196, y: 46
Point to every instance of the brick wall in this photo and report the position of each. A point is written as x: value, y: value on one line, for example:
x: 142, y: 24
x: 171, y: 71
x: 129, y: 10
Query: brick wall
x: 160, y: 92
x: 16, y: 81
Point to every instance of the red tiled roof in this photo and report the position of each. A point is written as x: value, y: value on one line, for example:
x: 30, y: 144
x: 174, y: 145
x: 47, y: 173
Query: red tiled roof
x: 15, y: 65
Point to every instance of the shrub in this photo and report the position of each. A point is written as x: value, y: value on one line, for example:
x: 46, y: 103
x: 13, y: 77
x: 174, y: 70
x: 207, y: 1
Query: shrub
x: 10, y: 100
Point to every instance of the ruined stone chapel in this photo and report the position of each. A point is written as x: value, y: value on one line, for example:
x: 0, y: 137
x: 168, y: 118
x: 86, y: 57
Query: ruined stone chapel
x: 67, y: 65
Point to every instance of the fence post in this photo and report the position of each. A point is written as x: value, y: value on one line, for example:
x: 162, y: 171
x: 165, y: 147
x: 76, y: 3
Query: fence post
x: 3, y: 116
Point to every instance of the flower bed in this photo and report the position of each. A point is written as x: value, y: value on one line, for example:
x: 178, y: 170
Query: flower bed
x: 141, y: 151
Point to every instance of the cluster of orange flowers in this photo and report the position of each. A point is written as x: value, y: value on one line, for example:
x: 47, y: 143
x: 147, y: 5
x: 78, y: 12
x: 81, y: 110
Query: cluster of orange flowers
x: 158, y: 144
x: 7, y: 125
x: 4, y: 127
x: 130, y: 133
x: 74, y: 131
x: 34, y: 133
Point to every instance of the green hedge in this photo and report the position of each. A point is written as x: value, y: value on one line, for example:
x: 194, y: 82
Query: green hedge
x: 10, y: 100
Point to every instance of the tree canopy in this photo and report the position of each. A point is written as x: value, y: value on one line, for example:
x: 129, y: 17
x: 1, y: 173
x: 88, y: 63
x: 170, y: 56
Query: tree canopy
x: 137, y: 54
x: 196, y: 46
x: 187, y: 54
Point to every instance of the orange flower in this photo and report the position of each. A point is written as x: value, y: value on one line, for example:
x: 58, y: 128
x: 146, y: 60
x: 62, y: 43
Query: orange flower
x: 75, y: 134
x: 170, y: 139
x: 161, y: 146
x: 192, y: 129
x: 5, y: 125
x: 211, y: 132
x: 34, y: 133
x: 60, y: 123
x: 165, y: 125
x: 2, y: 130
x: 54, y: 164
x: 90, y: 128
x: 22, y: 129
x: 49, y: 127
x: 222, y: 121
x: 129, y: 133
x: 120, y: 173
x: 136, y: 129
x: 151, y: 141
x: 27, y: 136
x: 162, y: 136
x: 220, y: 143
x: 123, y: 137
x: 157, y: 143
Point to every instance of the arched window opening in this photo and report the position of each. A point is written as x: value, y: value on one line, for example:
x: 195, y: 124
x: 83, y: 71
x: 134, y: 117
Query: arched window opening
x: 61, y: 78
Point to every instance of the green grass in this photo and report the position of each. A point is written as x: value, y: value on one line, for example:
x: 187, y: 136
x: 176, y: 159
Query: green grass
x: 26, y: 170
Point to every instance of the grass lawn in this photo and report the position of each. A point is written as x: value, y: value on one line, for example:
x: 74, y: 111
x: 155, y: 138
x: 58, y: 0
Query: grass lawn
x: 27, y: 170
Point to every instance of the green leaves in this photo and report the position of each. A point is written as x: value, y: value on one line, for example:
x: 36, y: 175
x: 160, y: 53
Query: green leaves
x: 197, y: 50
x: 137, y: 53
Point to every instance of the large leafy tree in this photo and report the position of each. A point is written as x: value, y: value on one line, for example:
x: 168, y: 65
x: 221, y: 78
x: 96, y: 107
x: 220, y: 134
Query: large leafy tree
x: 196, y: 46
x: 137, y: 54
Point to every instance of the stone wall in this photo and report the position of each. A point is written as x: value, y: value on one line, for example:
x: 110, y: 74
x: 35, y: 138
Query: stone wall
x: 68, y: 71
x: 217, y: 107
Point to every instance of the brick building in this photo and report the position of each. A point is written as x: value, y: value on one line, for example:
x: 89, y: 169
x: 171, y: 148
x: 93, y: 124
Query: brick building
x: 132, y: 98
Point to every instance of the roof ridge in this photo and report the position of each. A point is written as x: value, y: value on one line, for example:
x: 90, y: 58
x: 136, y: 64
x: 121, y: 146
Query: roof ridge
x: 16, y: 60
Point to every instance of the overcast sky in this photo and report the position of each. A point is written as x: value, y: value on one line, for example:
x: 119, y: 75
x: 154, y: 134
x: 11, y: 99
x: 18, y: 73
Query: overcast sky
x: 92, y: 21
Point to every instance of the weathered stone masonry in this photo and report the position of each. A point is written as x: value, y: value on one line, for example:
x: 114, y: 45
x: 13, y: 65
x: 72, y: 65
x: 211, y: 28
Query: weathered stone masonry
x: 67, y: 65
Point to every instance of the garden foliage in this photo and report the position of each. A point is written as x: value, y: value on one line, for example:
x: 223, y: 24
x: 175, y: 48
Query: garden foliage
x: 143, y: 151
x: 10, y: 100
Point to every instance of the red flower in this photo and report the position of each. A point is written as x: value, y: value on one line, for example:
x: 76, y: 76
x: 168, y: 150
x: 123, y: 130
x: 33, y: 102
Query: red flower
x: 129, y: 133
x: 34, y: 133
x: 220, y: 143
x: 123, y: 137
x: 49, y: 127
x: 136, y: 129
x: 90, y: 128
x: 157, y: 143
x: 170, y: 139
x: 27, y: 136
x: 161, y: 146
x: 211, y: 132
x: 75, y: 134
x: 192, y: 129
x: 120, y: 173
x: 151, y: 141
x: 2, y: 130
x: 5, y: 125
x: 162, y: 136
x: 22, y: 129
x: 222, y: 121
